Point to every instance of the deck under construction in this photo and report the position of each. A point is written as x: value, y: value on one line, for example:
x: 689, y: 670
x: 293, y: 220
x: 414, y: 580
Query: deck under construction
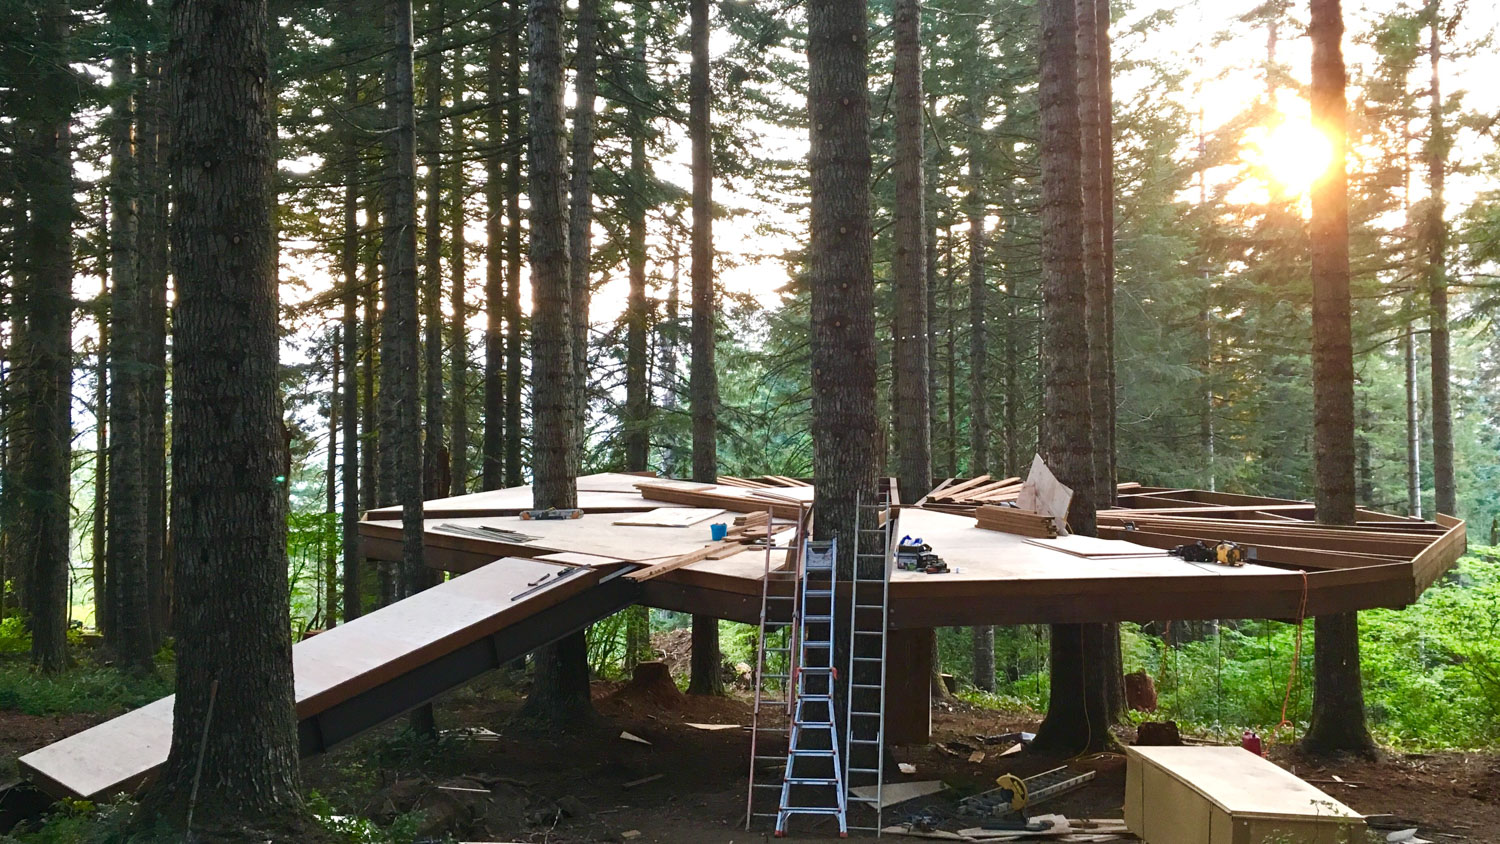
x: 524, y: 583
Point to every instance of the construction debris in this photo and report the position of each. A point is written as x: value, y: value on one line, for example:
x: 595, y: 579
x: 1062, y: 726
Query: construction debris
x: 642, y: 781
x: 899, y: 792
x: 627, y: 736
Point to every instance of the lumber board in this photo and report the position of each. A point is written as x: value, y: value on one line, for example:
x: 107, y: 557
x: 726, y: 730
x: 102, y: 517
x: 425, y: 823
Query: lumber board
x: 704, y: 553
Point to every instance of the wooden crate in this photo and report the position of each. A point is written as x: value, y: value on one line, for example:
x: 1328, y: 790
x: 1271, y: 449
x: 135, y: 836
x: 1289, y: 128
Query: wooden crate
x: 1227, y: 795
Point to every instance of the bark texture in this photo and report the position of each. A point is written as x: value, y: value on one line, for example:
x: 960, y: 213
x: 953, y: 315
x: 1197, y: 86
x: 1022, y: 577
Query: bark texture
x: 1077, y: 714
x: 1436, y: 231
x: 435, y: 464
x: 492, y: 447
x: 581, y: 208
x: 42, y: 350
x: 637, y: 421
x: 979, y: 349
x: 400, y: 406
x: 234, y: 661
x: 909, y: 272
x: 703, y: 380
x: 1338, y: 714
x: 560, y: 693
x: 126, y: 566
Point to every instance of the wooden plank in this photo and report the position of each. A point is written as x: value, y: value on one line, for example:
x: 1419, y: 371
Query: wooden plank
x: 679, y: 517
x: 1089, y: 546
x: 704, y: 553
x: 1440, y: 556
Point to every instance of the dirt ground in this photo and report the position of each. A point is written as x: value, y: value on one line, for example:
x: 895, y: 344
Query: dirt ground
x: 519, y: 785
x: 526, y: 786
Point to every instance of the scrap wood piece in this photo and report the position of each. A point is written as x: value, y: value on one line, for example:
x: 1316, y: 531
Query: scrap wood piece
x: 1044, y: 493
x: 937, y: 835
x: 899, y: 792
x: 632, y: 737
x: 711, y: 727
x: 642, y: 781
x: 698, y: 556
x: 976, y: 757
x: 1090, y: 547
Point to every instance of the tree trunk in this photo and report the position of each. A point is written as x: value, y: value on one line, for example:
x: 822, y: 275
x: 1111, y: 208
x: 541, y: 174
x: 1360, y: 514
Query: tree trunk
x: 495, y: 190
x: 979, y: 351
x: 560, y: 693
x: 1413, y: 426
x: 513, y: 333
x: 234, y: 661
x: 458, y: 360
x: 152, y: 289
x: 1092, y: 77
x: 353, y: 603
x: 1338, y: 716
x: 130, y: 599
x: 845, y: 424
x: 637, y: 421
x: 1436, y: 231
x: 984, y: 658
x: 1096, y: 317
x: 44, y: 303
x: 1077, y: 713
x: 637, y: 425
x: 581, y: 209
x: 435, y: 464
x: 400, y: 404
x: 370, y: 494
x: 1107, y: 208
x: 908, y: 269
x: 703, y: 383
x: 331, y: 498
x: 101, y: 456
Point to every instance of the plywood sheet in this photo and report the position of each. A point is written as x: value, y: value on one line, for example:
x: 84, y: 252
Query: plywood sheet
x: 1241, y: 783
x: 679, y: 517
x: 1089, y: 546
x: 330, y: 667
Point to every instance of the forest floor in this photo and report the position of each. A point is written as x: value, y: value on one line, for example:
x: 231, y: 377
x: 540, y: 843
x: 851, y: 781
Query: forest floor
x: 517, y: 784
x: 576, y: 787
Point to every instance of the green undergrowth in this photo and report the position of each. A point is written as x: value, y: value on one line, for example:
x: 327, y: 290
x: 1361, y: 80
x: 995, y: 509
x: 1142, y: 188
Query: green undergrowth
x: 85, y: 688
x: 1431, y: 671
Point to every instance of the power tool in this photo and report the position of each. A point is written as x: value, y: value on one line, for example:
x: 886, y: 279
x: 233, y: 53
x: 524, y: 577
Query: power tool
x: 1224, y: 552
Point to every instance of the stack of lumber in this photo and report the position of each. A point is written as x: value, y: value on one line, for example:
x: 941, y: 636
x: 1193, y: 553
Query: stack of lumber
x: 738, y: 499
x: 751, y: 527
x: 762, y: 482
x: 1278, y: 532
x: 954, y: 495
x: 1018, y: 522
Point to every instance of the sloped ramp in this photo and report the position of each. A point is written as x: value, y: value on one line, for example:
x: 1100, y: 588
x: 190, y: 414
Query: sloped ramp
x: 364, y: 673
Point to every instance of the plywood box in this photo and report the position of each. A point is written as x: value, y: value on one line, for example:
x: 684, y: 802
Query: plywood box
x: 1227, y: 795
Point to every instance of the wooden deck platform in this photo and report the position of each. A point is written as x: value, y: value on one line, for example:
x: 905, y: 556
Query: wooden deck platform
x: 1302, y: 569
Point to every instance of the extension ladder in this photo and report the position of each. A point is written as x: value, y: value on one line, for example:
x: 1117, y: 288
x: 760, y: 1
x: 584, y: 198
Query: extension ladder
x: 813, y: 783
x: 869, y: 611
x: 775, y: 666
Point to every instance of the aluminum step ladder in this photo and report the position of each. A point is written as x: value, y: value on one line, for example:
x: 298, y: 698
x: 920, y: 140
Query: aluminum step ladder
x: 775, y: 667
x: 869, y: 613
x: 813, y: 783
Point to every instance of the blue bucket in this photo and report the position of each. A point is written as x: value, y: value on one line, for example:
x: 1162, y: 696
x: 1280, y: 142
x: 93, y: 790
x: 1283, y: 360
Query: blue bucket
x: 718, y: 531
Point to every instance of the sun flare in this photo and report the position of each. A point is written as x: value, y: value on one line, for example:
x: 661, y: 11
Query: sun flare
x: 1292, y: 154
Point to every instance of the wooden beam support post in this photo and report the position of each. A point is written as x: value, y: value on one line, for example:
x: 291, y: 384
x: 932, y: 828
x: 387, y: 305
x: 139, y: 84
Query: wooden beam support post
x: 908, y: 686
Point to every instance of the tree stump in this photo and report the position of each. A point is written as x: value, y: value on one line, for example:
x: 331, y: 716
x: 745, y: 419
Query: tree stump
x: 1140, y: 692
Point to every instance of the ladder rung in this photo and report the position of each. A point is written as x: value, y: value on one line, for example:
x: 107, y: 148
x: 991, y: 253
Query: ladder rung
x: 868, y: 659
x: 854, y: 798
x: 812, y: 780
x: 819, y: 754
x: 770, y: 758
x: 865, y: 770
x: 775, y: 785
x: 865, y: 686
x: 864, y: 741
